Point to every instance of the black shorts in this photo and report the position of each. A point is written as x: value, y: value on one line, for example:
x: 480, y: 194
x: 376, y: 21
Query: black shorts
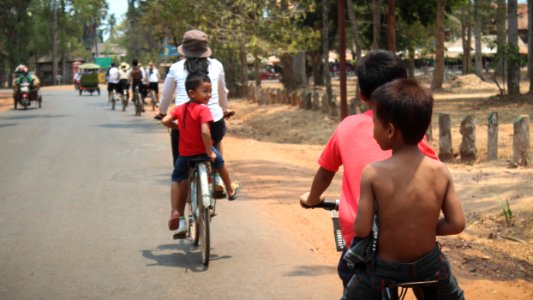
x: 112, y: 86
x: 122, y: 86
x: 218, y: 131
x: 154, y: 86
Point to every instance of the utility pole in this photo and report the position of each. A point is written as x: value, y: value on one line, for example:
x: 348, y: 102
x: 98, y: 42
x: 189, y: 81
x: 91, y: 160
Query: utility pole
x: 342, y: 56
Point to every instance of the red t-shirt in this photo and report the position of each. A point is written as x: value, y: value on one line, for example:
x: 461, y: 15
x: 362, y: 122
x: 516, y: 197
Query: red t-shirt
x: 353, y: 146
x: 190, y: 117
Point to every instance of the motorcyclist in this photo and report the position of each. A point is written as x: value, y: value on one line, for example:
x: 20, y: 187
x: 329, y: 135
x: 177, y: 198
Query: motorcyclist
x: 23, y: 76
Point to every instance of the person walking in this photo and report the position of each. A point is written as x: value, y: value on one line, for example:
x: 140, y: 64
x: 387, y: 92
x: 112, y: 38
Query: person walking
x: 197, y: 54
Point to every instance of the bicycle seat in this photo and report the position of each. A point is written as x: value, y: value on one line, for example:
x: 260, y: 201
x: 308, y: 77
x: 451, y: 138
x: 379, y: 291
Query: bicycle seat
x: 198, y: 159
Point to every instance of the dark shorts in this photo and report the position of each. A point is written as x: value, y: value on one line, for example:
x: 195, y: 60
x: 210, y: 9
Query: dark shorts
x: 154, y: 86
x: 181, y: 169
x: 218, y: 131
x: 122, y: 86
x: 368, y: 282
x: 112, y: 86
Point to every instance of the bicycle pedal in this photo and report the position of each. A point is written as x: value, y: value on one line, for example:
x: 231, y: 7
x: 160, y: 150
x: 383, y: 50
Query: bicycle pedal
x: 219, y: 195
x: 179, y: 236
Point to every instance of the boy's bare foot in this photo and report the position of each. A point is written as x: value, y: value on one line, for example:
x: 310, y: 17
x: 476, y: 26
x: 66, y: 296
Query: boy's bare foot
x: 174, y: 221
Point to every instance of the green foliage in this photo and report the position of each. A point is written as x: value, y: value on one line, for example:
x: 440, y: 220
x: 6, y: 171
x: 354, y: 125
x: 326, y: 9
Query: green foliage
x: 507, y: 212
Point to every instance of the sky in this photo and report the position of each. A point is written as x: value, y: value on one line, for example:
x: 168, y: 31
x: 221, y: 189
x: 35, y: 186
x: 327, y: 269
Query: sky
x: 118, y: 7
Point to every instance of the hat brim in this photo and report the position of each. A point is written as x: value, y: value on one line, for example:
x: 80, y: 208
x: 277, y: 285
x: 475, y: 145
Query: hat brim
x: 185, y: 53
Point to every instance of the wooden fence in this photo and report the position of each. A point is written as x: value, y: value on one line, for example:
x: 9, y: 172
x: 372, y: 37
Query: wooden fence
x: 468, y: 152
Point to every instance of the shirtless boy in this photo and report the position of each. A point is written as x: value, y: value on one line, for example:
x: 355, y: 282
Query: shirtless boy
x: 410, y: 190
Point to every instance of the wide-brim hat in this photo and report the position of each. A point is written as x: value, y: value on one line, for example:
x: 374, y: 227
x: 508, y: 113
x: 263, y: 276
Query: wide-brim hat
x: 194, y: 44
x: 124, y: 66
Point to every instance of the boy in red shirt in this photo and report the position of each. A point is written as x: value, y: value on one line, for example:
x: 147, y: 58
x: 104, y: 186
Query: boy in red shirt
x: 193, y: 120
x: 409, y: 191
x: 352, y: 146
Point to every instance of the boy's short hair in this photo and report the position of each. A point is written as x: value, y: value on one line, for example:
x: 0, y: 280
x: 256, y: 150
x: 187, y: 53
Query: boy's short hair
x: 405, y: 104
x: 134, y: 62
x: 194, y: 80
x: 377, y: 68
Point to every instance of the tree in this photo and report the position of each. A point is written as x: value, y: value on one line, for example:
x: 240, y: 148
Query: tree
x: 438, y: 73
x: 513, y: 63
x: 530, y: 44
x: 477, y: 38
x: 376, y: 21
x: 501, y: 13
x: 391, y: 25
x: 466, y: 35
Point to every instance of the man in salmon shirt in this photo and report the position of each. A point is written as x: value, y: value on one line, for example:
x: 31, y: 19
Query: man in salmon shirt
x: 353, y: 146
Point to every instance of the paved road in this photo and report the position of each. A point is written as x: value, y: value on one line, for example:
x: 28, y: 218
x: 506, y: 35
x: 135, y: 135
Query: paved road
x: 83, y: 211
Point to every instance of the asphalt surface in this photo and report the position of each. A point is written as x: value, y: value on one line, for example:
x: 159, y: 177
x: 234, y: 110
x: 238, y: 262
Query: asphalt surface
x: 84, y: 204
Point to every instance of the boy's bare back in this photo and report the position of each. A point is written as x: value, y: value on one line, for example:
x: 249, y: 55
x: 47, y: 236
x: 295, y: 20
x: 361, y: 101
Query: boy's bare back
x: 411, y: 190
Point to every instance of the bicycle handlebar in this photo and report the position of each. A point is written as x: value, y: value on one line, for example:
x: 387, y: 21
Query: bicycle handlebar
x: 327, y: 205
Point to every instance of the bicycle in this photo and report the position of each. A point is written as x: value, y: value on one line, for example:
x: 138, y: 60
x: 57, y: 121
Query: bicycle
x: 137, y: 101
x: 114, y: 98
x: 391, y: 290
x: 154, y: 99
x: 201, y: 203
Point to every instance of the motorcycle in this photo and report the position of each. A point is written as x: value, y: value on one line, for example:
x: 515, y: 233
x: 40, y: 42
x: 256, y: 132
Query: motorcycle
x: 24, y: 97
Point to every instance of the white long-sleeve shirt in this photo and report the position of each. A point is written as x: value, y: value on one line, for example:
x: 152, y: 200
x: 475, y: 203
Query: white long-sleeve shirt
x: 175, y: 82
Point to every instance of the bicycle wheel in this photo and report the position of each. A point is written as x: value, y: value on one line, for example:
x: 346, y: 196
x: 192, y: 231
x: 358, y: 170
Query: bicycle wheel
x: 194, y: 231
x: 113, y: 97
x: 205, y: 242
x: 204, y: 214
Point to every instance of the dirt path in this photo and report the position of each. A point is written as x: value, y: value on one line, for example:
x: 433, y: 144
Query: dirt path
x: 491, y: 259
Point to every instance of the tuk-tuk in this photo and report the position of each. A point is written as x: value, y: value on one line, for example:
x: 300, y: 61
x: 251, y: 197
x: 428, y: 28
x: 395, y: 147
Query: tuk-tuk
x: 89, y: 78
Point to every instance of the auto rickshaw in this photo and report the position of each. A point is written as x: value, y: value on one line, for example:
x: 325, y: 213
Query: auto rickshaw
x: 89, y: 78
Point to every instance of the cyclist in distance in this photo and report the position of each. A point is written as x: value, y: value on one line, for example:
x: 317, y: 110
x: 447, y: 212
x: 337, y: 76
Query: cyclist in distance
x: 193, y: 120
x: 352, y: 146
x: 153, y: 79
x: 112, y: 81
x: 123, y: 83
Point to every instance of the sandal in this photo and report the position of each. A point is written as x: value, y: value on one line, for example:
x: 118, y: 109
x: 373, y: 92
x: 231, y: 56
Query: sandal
x: 236, y: 189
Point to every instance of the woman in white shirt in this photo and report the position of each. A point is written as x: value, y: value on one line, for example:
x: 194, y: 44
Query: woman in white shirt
x: 194, y: 48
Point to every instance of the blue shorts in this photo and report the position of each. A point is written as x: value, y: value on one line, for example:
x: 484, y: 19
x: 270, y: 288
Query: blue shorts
x: 181, y: 169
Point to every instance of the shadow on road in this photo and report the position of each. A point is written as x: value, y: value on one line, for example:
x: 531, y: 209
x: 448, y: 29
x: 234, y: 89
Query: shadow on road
x: 312, y: 271
x: 34, y: 116
x: 182, y: 255
x: 8, y: 124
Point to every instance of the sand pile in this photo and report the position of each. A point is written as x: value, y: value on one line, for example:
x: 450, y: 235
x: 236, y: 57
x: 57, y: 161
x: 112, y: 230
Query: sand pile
x: 470, y: 82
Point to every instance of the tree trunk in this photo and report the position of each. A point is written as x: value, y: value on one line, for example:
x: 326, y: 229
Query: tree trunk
x: 530, y: 44
x: 54, y: 41
x: 133, y: 51
x: 465, y: 35
x: 501, y: 14
x: 300, y: 73
x: 243, y: 68
x: 438, y: 72
x: 513, y: 66
x: 355, y: 29
x: 257, y: 63
x: 391, y: 25
x: 477, y: 36
x: 376, y: 20
x: 287, y: 72
x: 325, y: 57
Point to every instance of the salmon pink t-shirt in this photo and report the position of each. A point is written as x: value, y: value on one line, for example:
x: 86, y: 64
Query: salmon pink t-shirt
x: 353, y: 146
x: 190, y: 116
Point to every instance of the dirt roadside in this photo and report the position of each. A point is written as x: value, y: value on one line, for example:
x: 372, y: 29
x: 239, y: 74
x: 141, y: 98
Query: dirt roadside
x: 276, y: 148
